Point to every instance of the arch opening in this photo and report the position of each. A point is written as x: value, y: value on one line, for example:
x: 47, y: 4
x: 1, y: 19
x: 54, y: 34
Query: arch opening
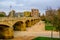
x: 32, y: 22
x: 27, y: 23
x: 5, y: 32
x: 35, y: 21
x: 18, y: 26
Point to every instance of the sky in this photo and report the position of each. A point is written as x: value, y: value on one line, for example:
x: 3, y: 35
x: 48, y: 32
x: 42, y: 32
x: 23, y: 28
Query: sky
x: 27, y: 5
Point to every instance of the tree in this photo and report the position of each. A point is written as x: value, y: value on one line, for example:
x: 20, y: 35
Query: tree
x: 2, y: 14
x: 58, y: 21
x: 50, y: 17
x: 55, y: 20
x: 43, y: 17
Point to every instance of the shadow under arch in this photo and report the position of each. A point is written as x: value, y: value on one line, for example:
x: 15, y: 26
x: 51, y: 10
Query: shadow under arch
x: 32, y: 22
x: 4, y: 32
x: 27, y: 23
x: 18, y: 25
x: 2, y: 27
x: 35, y: 21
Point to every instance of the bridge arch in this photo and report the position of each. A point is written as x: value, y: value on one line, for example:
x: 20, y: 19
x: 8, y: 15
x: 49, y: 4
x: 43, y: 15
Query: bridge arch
x: 5, y: 31
x: 28, y: 23
x: 35, y: 21
x: 4, y: 25
x: 18, y: 26
x: 32, y: 22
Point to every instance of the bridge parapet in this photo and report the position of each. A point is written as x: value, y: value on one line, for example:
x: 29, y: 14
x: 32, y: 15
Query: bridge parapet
x: 16, y: 18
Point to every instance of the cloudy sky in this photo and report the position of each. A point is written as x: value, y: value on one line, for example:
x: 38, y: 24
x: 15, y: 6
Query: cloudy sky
x: 23, y: 5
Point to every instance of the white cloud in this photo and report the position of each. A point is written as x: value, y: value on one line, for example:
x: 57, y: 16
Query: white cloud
x: 12, y: 3
x: 20, y: 5
x: 6, y: 3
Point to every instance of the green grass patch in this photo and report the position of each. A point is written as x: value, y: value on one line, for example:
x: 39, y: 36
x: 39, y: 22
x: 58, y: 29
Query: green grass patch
x: 50, y: 28
x: 45, y: 38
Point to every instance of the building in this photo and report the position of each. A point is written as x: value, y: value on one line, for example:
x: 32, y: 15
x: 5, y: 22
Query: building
x: 34, y: 12
x: 11, y: 13
x: 27, y: 14
x: 19, y: 14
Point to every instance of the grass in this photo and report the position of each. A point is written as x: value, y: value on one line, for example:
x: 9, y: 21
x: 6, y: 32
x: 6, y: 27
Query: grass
x: 49, y: 26
x: 45, y: 38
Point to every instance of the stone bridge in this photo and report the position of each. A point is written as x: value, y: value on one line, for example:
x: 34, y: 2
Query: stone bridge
x: 8, y: 24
